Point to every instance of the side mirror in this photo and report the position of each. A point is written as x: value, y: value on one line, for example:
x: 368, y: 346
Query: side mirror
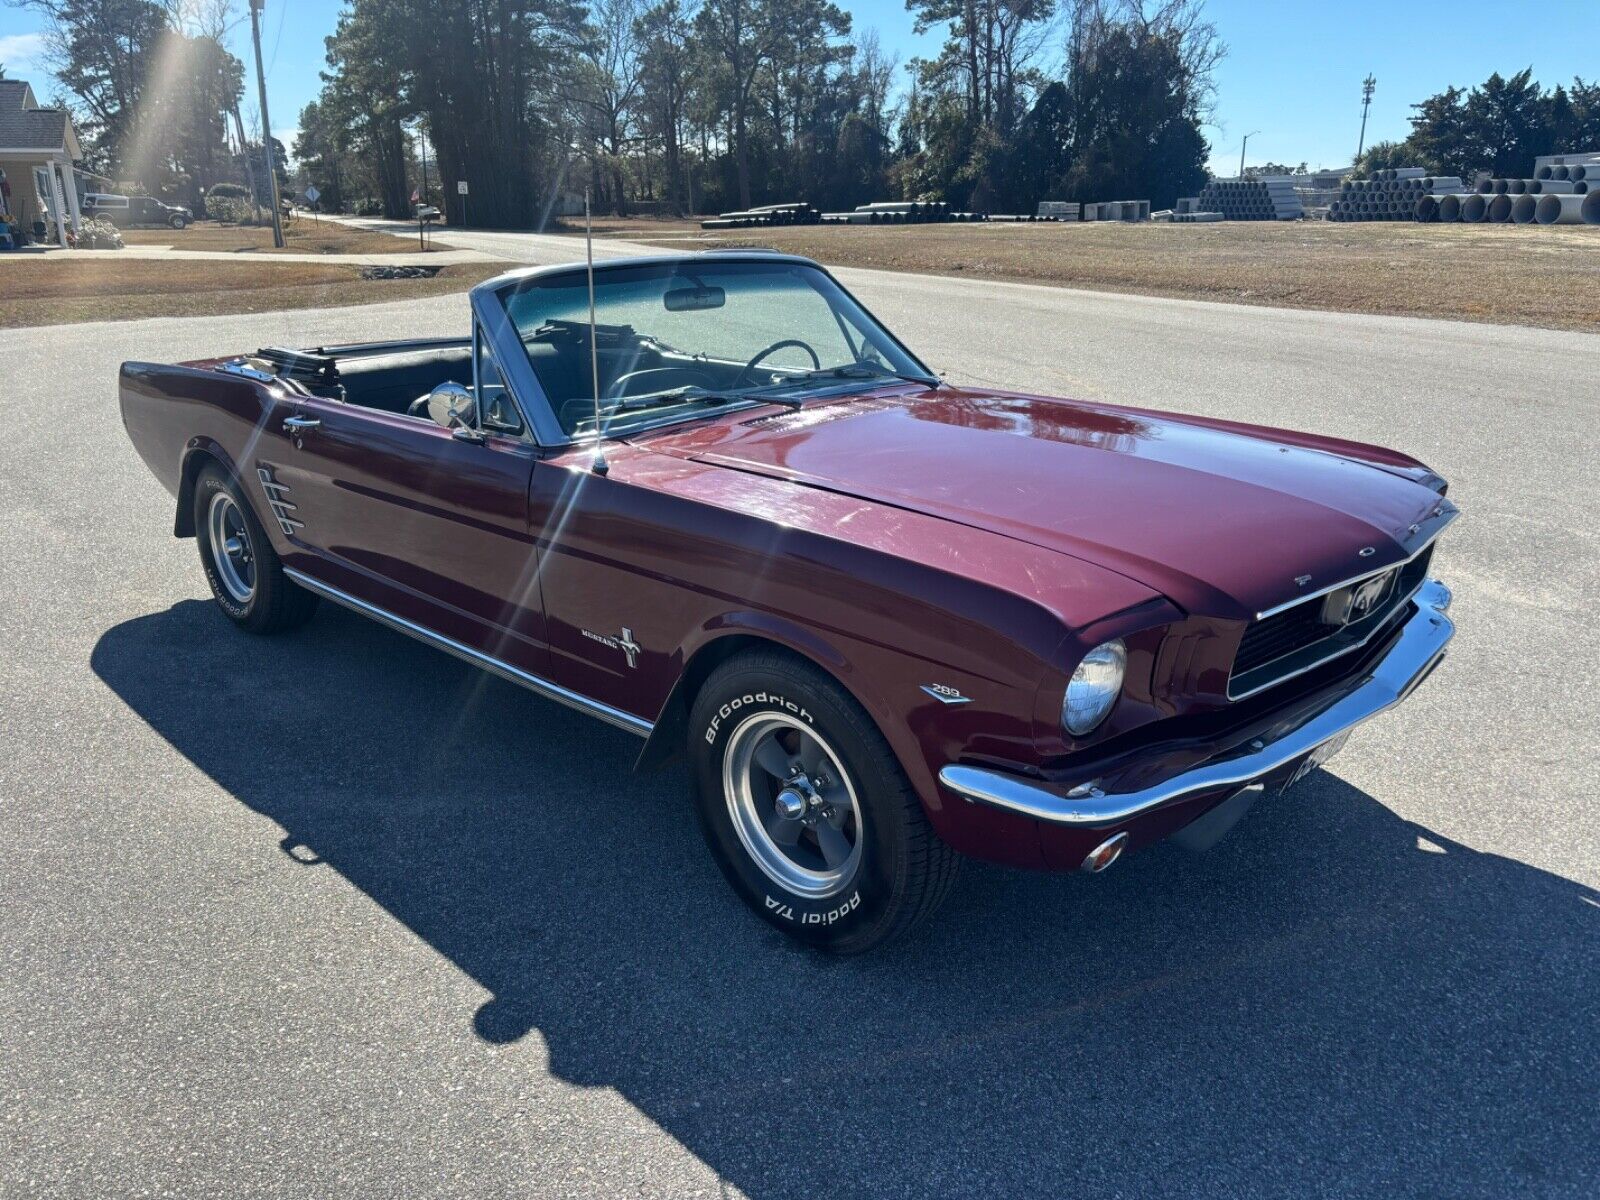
x: 453, y: 406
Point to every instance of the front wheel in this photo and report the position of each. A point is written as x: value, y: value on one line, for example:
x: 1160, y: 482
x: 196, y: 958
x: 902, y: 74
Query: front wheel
x: 806, y: 809
x: 247, y: 580
x: 179, y: 221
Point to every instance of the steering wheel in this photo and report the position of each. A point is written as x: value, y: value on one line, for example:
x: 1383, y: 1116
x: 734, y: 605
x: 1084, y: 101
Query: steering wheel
x: 744, y: 374
x: 657, y: 378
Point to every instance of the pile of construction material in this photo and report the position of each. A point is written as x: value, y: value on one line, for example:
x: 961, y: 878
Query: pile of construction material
x: 1395, y: 194
x: 901, y: 212
x: 766, y: 215
x: 1256, y: 198
x: 1187, y: 210
x: 1117, y: 210
x: 1563, y: 190
x: 1060, y: 210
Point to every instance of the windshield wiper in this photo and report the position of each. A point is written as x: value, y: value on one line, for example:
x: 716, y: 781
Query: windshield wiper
x: 689, y: 394
x: 855, y: 370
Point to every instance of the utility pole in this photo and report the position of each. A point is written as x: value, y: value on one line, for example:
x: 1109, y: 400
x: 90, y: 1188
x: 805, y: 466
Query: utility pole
x: 266, y: 122
x: 1367, y: 86
x: 1242, y: 145
x: 249, y: 171
x: 422, y: 138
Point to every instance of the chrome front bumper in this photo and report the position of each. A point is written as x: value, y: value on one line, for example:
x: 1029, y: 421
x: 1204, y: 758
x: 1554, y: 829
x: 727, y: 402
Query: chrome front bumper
x: 1420, y: 647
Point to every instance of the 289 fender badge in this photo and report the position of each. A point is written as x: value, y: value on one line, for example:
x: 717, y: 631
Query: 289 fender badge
x: 625, y: 643
x: 945, y: 694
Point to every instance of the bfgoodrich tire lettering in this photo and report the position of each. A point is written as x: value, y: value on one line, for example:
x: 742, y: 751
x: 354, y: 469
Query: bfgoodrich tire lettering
x: 246, y: 578
x: 806, y: 810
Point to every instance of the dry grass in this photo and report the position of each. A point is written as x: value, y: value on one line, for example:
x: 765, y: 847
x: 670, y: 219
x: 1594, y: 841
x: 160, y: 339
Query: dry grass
x: 53, y: 290
x: 1504, y: 274
x: 303, y: 235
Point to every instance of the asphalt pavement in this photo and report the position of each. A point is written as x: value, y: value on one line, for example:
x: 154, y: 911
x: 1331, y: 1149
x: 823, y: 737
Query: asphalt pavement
x: 333, y: 915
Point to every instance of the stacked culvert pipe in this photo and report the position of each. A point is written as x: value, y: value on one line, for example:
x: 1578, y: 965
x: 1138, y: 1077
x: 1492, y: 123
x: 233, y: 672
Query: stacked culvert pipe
x: 1266, y: 198
x: 1394, y: 194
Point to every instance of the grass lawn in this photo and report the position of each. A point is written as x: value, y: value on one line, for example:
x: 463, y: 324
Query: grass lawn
x: 53, y: 289
x: 303, y: 235
x: 1521, y: 275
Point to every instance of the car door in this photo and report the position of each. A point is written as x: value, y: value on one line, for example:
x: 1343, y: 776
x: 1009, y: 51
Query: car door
x: 424, y: 524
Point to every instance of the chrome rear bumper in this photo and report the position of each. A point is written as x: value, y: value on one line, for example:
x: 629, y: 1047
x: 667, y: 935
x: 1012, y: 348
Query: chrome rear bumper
x: 1420, y: 647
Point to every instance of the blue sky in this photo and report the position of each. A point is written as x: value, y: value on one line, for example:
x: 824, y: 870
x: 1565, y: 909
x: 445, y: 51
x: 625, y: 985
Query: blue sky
x: 1293, y: 73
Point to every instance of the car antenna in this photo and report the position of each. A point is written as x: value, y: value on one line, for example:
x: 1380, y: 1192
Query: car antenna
x: 600, y: 467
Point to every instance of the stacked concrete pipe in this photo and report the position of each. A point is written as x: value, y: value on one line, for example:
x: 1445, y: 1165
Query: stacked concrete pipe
x: 1500, y: 209
x: 1524, y: 208
x: 1475, y: 208
x: 1561, y: 209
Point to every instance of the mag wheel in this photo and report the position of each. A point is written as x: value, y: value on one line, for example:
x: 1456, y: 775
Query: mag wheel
x: 806, y: 809
x: 792, y: 804
x: 246, y: 578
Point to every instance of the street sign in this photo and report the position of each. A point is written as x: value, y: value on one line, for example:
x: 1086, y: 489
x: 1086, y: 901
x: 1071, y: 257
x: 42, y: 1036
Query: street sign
x: 461, y: 187
x: 312, y: 195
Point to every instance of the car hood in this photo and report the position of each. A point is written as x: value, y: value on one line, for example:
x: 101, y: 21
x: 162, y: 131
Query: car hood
x: 1224, y: 520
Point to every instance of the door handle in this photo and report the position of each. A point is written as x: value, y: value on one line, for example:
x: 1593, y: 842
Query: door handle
x: 299, y: 425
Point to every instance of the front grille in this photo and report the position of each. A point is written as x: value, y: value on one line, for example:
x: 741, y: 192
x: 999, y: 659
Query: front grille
x: 1292, y: 641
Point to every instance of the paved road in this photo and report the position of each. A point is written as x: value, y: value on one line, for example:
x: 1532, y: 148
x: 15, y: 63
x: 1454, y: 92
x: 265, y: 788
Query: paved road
x: 333, y: 915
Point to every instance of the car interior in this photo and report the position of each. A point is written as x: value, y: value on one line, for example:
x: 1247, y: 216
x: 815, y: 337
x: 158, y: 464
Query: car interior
x: 399, y: 379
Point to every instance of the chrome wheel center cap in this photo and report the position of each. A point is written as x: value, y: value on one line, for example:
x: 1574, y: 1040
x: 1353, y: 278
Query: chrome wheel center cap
x: 233, y: 547
x: 790, y: 804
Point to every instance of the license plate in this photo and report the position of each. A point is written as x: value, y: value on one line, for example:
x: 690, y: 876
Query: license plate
x: 1317, y: 757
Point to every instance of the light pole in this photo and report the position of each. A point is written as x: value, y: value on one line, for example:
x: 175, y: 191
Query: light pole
x: 266, y: 122
x: 1242, y: 145
x: 1367, y: 86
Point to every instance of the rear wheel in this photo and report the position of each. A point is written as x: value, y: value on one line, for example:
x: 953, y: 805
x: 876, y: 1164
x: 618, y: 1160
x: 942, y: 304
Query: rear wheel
x: 806, y: 810
x: 246, y: 577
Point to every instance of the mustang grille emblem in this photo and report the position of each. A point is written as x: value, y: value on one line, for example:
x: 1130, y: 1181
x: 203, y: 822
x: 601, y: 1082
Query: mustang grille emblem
x: 1358, y: 600
x: 625, y: 643
x: 277, y: 494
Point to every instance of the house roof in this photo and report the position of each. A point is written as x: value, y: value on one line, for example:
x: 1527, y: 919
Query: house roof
x: 15, y: 93
x: 24, y: 126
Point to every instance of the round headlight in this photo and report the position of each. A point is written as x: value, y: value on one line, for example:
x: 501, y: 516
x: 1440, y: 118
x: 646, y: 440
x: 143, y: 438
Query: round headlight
x: 1094, y: 687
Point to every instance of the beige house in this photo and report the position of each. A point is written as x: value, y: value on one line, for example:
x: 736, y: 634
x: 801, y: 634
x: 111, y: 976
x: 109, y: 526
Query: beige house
x: 37, y: 150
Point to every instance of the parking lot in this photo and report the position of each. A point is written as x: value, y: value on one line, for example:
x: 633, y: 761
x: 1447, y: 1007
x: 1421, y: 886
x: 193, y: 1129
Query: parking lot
x: 332, y: 914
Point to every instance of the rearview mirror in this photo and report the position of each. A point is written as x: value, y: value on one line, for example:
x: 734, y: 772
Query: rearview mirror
x: 452, y: 405
x: 692, y: 299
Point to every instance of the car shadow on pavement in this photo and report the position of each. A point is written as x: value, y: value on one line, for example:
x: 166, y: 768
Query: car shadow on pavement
x: 1333, y: 1001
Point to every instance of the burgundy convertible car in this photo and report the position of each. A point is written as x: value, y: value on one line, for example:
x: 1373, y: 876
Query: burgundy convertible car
x: 885, y: 620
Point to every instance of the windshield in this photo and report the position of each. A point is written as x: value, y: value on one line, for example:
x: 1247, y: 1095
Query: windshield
x: 678, y: 339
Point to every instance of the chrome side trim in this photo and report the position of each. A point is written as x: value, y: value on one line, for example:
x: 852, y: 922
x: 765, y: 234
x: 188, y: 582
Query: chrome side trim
x: 1450, y: 513
x: 1421, y: 646
x: 543, y: 687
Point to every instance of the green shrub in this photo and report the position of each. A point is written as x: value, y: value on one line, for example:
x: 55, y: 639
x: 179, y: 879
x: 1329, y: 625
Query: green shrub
x: 231, y: 210
x: 233, y: 190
